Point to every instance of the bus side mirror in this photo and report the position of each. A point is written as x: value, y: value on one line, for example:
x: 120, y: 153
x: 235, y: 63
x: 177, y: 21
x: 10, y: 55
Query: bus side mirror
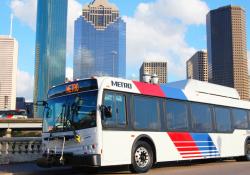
x: 41, y: 103
x: 106, y: 111
x: 47, y: 112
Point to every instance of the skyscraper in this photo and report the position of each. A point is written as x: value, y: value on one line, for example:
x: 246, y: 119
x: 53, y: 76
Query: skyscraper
x: 197, y: 66
x: 100, y: 41
x: 227, y: 52
x: 158, y: 68
x: 8, y: 72
x: 50, y: 60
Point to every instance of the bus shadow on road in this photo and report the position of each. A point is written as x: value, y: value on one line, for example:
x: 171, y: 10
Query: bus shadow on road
x: 123, y: 169
x: 115, y: 170
x: 191, y: 163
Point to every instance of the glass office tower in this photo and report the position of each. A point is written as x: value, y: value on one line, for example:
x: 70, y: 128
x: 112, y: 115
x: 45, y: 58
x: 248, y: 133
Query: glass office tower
x: 100, y: 41
x: 50, y: 51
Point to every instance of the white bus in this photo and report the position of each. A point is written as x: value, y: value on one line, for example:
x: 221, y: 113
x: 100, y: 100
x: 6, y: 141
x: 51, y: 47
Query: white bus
x: 105, y: 121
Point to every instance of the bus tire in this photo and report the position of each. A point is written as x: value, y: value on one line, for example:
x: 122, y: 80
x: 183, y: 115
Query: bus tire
x: 142, y: 157
x: 247, y: 155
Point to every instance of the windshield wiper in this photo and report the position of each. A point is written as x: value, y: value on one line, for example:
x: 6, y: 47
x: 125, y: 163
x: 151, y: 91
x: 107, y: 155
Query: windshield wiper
x: 61, y: 118
x: 69, y: 121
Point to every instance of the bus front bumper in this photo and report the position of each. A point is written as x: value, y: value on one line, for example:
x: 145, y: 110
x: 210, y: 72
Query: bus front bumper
x: 85, y: 160
x: 54, y: 160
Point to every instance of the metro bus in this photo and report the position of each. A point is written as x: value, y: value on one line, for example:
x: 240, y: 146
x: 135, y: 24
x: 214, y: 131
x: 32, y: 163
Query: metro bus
x: 105, y: 121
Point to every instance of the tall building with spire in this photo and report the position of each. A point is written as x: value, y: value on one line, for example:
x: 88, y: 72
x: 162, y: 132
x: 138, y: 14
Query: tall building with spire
x: 227, y: 50
x: 100, y: 41
x: 50, y: 63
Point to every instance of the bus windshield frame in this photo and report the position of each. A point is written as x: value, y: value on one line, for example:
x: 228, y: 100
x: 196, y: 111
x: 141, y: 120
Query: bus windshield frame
x: 71, y: 107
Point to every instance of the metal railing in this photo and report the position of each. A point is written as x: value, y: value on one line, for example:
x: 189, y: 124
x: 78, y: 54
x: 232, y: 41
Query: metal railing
x: 21, y: 149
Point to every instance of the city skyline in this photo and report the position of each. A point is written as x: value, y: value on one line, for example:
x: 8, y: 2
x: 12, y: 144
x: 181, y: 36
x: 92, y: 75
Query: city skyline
x: 176, y: 38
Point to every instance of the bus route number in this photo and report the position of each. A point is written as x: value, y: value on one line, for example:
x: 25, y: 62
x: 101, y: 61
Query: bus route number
x: 72, y: 88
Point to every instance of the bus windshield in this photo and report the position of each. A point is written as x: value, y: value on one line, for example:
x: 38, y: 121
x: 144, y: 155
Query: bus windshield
x: 70, y: 112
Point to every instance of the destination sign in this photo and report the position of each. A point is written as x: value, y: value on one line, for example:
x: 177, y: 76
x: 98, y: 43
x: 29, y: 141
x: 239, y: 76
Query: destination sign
x: 72, y: 88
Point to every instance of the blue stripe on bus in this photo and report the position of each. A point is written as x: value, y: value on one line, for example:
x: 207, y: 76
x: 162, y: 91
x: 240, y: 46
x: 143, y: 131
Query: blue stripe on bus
x: 204, y: 144
x: 210, y: 152
x: 211, y: 148
x: 173, y: 92
x: 201, y: 137
x: 213, y: 155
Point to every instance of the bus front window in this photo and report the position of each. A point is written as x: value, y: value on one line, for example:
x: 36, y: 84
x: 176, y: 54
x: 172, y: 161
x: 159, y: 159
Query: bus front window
x: 71, y: 112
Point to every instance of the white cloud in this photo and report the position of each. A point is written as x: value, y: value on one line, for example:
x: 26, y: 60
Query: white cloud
x: 188, y: 12
x: 25, y: 84
x: 157, y: 31
x: 74, y: 11
x: 69, y: 73
x: 25, y: 11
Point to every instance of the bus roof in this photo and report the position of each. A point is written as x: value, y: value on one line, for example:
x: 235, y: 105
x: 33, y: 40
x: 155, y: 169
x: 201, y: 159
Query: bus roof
x: 191, y: 86
x: 191, y: 90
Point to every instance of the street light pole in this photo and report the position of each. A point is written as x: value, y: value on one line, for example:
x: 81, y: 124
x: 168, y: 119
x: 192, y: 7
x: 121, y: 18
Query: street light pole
x: 113, y: 67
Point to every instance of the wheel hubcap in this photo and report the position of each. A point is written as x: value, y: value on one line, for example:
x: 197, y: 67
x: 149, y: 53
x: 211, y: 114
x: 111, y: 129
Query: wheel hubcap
x: 142, y: 157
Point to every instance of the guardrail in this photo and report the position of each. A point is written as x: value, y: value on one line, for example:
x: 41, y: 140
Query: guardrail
x: 21, y: 149
x: 21, y: 123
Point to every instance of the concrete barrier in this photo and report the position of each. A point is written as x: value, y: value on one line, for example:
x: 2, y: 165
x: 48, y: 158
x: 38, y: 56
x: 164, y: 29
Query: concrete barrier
x: 21, y: 149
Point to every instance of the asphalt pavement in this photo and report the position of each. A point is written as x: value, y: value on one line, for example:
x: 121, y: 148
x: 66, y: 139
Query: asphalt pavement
x: 229, y: 167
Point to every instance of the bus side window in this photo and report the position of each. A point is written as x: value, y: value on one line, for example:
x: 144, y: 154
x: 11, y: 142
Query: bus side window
x: 146, y: 113
x: 120, y: 109
x: 222, y: 119
x: 176, y: 116
x: 248, y: 112
x: 201, y: 117
x: 109, y: 101
x: 240, y: 119
x: 117, y: 103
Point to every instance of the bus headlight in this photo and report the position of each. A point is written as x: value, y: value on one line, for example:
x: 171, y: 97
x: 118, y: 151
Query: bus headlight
x: 89, y: 149
x: 44, y: 148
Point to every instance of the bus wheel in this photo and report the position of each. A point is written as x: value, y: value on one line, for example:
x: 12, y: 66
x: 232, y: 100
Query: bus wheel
x: 142, y: 157
x: 247, y: 157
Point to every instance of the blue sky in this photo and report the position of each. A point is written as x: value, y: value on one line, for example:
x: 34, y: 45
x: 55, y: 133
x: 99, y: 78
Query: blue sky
x: 169, y: 30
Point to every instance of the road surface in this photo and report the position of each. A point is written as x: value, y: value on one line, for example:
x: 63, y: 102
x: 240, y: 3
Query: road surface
x: 203, y: 168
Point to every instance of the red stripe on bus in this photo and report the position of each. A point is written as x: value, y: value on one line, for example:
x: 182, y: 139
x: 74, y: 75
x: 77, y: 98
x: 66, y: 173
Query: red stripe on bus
x: 184, y: 144
x: 149, y: 89
x: 189, y: 149
x: 180, y: 136
x: 190, y: 153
